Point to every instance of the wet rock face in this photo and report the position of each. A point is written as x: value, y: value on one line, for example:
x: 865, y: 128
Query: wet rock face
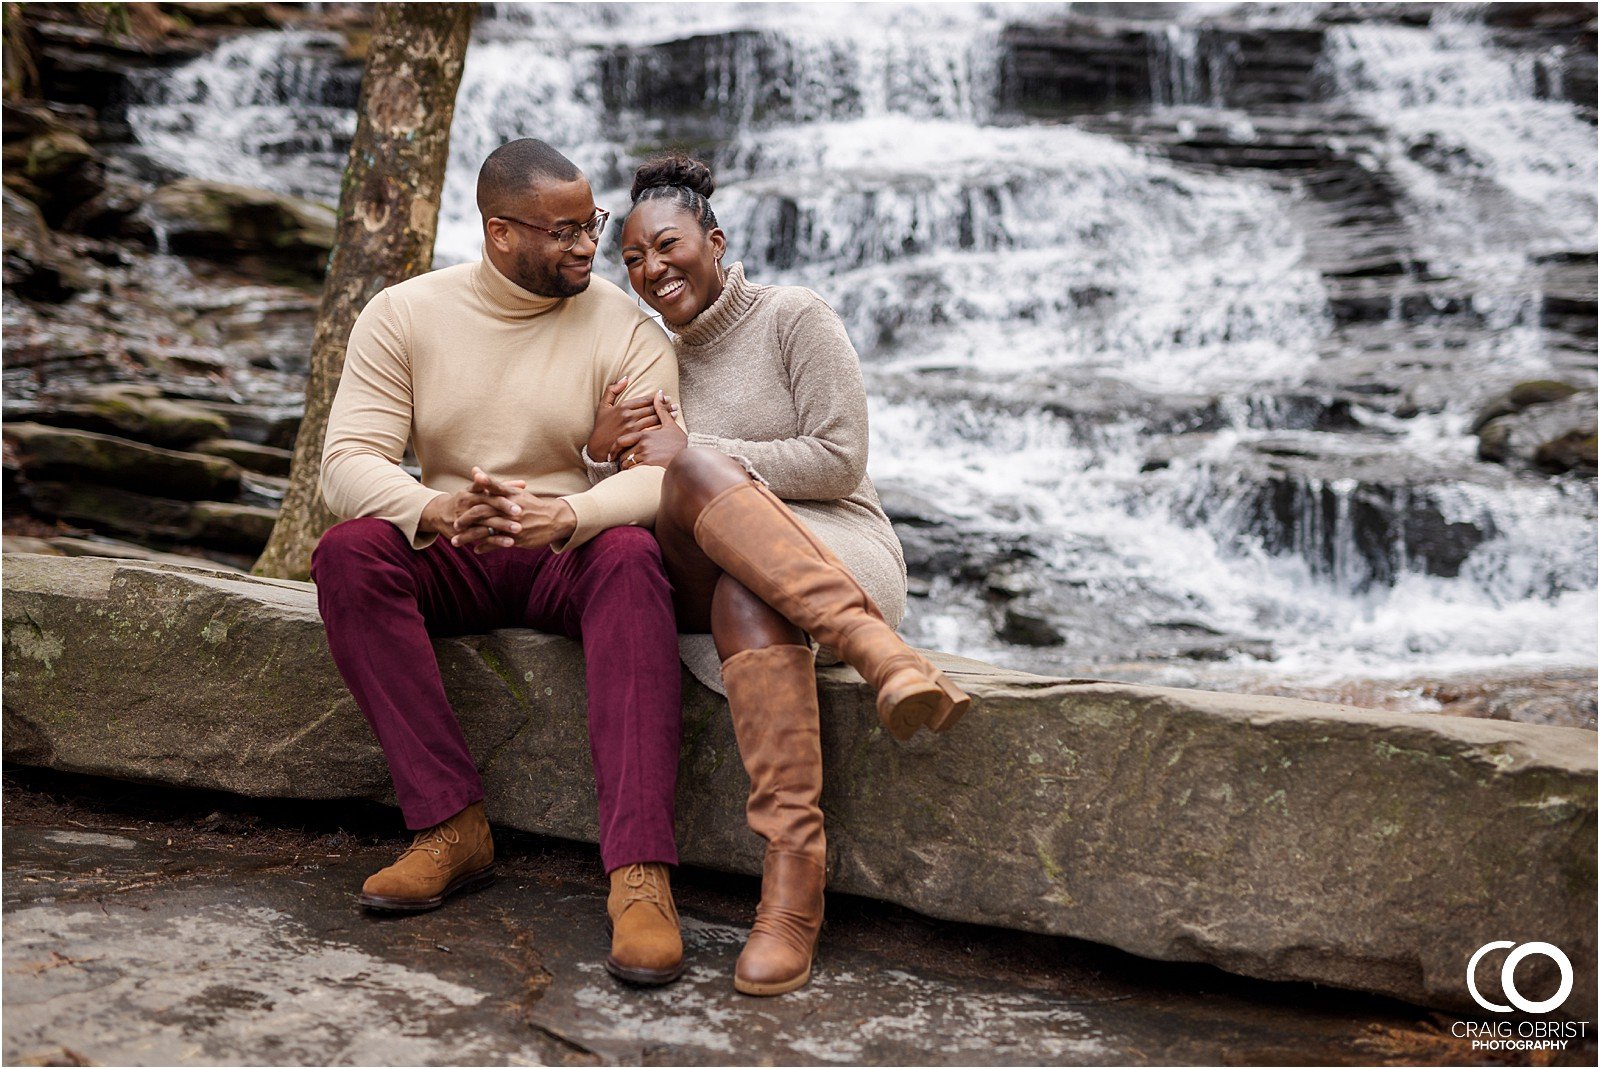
x: 229, y: 222
x: 1271, y: 837
x: 49, y: 160
x: 1544, y: 426
x: 121, y: 459
x: 1097, y: 64
x: 35, y: 268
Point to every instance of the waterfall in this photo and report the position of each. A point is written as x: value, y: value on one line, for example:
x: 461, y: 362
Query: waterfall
x: 273, y: 110
x: 1493, y: 170
x: 1099, y: 379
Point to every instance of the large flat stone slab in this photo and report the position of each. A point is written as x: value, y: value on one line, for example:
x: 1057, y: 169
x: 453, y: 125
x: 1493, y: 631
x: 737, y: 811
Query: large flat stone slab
x: 1271, y: 837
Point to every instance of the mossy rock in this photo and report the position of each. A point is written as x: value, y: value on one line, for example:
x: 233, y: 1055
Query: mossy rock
x: 262, y: 459
x: 141, y: 414
x: 108, y: 508
x: 1573, y: 451
x: 236, y: 528
x: 61, y: 453
x: 1523, y: 395
x: 51, y: 156
x: 60, y: 166
x: 237, y: 224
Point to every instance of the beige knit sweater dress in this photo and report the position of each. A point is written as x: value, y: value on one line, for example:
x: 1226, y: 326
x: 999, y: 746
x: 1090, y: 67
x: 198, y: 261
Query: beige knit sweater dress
x: 768, y: 376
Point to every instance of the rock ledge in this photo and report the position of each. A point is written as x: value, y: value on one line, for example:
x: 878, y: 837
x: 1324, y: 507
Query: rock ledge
x: 1271, y: 837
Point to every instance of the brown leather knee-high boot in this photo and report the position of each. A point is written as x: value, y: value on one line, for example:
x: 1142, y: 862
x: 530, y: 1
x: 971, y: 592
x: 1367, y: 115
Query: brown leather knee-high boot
x: 756, y: 539
x: 772, y: 694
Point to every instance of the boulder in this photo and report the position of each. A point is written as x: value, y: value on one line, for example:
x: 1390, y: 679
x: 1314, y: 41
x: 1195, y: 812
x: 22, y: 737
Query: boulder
x: 1522, y: 395
x: 1573, y: 451
x: 1026, y: 624
x: 1272, y: 837
x: 287, y: 237
x: 1552, y: 436
x: 59, y: 453
x: 106, y: 214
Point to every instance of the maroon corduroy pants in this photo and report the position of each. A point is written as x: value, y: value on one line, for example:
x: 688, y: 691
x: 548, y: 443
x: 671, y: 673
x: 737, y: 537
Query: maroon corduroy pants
x: 382, y: 601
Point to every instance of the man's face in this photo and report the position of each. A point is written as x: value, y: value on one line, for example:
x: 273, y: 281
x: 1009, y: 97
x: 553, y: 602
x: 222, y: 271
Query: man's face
x: 534, y: 259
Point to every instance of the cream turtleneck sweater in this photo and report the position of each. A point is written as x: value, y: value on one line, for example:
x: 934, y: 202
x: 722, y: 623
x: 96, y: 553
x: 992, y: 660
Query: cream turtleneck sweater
x: 474, y: 370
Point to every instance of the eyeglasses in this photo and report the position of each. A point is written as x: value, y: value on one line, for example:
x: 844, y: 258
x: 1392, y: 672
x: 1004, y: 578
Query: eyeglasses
x: 567, y: 236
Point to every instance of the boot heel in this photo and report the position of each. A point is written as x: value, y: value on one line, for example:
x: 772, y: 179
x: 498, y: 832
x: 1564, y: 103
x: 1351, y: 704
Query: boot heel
x: 903, y: 709
x: 954, y: 706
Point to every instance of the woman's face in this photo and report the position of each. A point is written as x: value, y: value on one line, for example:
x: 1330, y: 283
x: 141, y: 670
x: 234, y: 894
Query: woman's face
x: 671, y: 262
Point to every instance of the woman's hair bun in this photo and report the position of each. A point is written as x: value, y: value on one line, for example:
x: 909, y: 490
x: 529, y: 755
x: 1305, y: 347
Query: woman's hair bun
x: 674, y: 170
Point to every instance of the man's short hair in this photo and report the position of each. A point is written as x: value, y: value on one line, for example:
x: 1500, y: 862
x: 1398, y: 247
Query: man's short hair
x: 515, y: 167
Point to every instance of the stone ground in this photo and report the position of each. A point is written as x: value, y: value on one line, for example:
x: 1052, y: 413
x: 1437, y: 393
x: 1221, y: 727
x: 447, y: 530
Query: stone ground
x: 158, y: 927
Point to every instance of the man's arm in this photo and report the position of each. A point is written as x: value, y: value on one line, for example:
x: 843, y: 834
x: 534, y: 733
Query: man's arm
x: 368, y: 426
x: 628, y: 498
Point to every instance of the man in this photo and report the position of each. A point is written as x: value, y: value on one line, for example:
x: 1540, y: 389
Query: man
x: 492, y: 371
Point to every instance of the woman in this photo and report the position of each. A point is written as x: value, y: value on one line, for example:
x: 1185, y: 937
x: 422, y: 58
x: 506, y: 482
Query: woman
x: 772, y: 387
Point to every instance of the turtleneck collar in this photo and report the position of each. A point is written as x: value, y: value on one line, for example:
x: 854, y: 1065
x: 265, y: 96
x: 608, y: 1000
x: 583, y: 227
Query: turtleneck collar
x: 507, y: 298
x: 738, y: 297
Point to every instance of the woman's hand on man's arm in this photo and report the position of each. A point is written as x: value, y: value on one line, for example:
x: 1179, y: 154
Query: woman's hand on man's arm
x: 615, y: 419
x: 658, y: 443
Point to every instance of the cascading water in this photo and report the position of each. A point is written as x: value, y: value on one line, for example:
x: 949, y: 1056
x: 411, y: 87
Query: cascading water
x: 1089, y: 366
x: 270, y: 110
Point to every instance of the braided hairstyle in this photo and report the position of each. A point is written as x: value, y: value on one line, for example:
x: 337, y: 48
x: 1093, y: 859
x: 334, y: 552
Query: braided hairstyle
x: 686, y: 182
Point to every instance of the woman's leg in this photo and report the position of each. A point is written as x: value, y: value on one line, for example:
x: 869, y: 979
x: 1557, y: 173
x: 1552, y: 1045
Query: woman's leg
x: 693, y: 479
x: 714, y: 517
x: 770, y: 676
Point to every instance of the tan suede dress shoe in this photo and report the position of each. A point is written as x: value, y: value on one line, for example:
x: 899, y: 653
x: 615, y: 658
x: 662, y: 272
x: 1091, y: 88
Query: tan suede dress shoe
x: 455, y: 856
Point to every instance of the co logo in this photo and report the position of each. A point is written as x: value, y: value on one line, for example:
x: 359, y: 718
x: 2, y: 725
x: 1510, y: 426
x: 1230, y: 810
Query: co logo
x: 1508, y: 979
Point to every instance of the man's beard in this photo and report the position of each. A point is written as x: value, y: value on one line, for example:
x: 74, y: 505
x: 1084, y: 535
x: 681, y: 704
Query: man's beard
x: 546, y: 280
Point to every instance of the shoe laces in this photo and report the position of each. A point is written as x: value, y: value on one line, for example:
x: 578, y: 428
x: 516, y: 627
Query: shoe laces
x: 433, y: 840
x: 642, y: 884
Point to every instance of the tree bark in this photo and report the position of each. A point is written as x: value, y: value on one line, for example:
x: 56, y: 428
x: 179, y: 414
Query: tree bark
x: 388, y: 215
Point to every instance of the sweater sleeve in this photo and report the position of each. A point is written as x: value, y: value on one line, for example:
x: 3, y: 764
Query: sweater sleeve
x: 369, y: 425
x: 631, y: 497
x: 829, y: 457
x: 598, y: 470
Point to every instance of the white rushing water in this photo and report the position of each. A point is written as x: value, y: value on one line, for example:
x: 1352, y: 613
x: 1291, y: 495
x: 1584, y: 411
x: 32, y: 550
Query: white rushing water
x: 1001, y: 278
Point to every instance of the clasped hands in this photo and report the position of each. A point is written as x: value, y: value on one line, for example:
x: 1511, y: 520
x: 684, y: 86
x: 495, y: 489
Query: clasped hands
x: 498, y: 514
x: 637, y: 432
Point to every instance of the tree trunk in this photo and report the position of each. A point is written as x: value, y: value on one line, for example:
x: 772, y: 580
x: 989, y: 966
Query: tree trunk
x: 388, y: 215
